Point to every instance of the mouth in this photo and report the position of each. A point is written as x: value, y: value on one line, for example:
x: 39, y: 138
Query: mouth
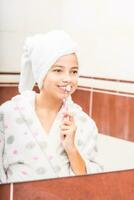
x: 65, y: 89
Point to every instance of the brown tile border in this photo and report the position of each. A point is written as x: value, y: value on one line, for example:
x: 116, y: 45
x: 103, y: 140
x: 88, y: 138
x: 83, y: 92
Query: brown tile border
x: 105, y: 186
x: 85, y: 97
x: 114, y: 115
x: 82, y: 98
x: 5, y: 192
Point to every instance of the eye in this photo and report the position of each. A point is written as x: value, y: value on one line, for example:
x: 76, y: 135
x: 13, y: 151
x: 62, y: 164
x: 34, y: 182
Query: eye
x: 57, y: 70
x: 75, y: 71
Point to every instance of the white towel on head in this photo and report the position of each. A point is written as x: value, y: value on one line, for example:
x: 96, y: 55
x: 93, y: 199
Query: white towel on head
x: 41, y: 51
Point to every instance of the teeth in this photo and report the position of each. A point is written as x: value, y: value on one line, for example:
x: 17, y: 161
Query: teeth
x: 64, y: 88
x: 67, y: 88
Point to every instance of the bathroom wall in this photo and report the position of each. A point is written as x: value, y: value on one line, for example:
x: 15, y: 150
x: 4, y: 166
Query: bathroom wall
x: 22, y: 18
x: 104, y: 30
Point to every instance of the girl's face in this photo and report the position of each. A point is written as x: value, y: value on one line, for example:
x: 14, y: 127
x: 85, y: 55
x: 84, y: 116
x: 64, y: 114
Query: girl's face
x: 62, y: 74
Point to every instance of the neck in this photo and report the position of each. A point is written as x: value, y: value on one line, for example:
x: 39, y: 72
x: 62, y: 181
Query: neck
x: 48, y: 103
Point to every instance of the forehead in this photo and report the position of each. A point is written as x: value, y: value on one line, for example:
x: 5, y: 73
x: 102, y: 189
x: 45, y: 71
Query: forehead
x: 67, y: 60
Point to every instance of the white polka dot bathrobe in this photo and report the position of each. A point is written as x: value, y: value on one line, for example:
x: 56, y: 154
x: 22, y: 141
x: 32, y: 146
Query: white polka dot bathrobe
x: 28, y: 153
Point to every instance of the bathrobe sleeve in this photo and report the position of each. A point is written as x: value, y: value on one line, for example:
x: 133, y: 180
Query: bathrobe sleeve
x: 89, y: 148
x: 86, y: 143
x: 2, y: 140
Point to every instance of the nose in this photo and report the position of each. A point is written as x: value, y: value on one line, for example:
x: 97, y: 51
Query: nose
x: 66, y: 78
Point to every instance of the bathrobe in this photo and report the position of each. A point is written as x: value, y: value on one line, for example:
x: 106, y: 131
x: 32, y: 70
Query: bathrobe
x: 28, y: 153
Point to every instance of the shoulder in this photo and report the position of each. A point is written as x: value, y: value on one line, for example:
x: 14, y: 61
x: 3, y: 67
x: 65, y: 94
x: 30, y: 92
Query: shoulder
x: 9, y: 105
x: 6, y: 106
x: 26, y: 95
x: 82, y: 116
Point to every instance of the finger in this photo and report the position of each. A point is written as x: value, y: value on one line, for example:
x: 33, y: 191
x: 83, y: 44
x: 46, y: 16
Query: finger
x: 64, y: 134
x: 67, y: 122
x: 67, y: 114
x: 64, y: 127
x: 71, y: 118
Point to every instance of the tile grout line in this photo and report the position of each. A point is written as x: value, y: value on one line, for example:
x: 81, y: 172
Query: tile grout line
x: 91, y: 103
x: 118, y: 93
x: 11, y: 191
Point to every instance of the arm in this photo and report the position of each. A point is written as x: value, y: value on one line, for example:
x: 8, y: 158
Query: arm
x: 77, y: 163
x: 68, y: 130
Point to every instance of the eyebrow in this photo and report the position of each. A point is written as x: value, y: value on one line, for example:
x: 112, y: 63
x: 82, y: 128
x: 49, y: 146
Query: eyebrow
x: 61, y: 66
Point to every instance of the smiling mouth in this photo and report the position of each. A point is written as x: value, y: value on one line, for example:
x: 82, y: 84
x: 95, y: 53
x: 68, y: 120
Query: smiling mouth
x: 66, y: 89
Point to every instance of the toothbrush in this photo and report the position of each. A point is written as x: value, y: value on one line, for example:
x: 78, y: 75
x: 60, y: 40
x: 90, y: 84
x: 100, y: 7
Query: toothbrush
x: 65, y: 106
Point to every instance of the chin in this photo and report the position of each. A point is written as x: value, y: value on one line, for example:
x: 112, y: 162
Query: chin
x: 62, y: 97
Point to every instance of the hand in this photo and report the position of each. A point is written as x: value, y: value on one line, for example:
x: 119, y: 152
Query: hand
x: 68, y: 130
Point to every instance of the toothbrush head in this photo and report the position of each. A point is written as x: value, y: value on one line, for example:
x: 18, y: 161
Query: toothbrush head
x: 68, y: 88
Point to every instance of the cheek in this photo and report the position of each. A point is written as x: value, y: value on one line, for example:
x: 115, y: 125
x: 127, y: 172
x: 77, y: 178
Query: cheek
x: 74, y: 84
x: 49, y: 84
x: 75, y: 81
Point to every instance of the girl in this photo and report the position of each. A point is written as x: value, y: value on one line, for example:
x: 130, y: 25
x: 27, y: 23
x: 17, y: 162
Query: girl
x: 46, y: 135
